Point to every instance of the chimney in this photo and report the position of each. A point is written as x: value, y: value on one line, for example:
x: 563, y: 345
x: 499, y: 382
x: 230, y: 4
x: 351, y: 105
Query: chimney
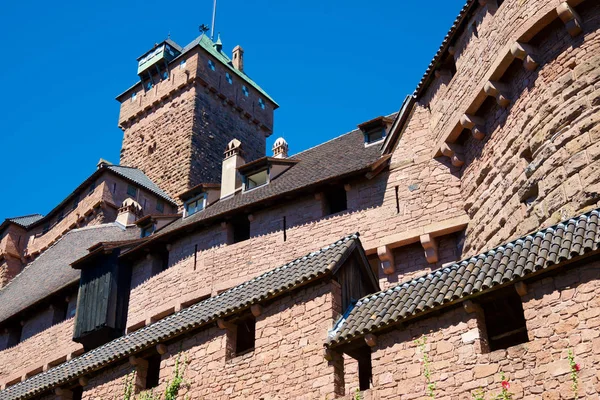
x: 129, y: 212
x: 280, y: 148
x: 230, y: 178
x: 238, y: 58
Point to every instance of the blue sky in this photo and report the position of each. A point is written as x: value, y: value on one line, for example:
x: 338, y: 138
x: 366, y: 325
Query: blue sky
x: 329, y: 64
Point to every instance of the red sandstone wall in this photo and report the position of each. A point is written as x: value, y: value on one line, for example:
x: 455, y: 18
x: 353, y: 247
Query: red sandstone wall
x: 562, y: 312
x: 287, y: 362
x: 38, y: 350
x: 555, y: 119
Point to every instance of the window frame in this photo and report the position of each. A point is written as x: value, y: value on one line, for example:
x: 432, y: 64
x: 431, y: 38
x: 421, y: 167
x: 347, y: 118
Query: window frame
x: 196, y: 199
x: 246, y: 185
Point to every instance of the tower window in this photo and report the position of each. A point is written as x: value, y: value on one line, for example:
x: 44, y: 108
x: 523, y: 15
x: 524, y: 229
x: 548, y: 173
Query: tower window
x: 131, y: 190
x: 133, y: 96
x: 245, y: 335
x: 245, y: 91
x: 261, y: 103
x: 505, y: 319
x: 211, y: 65
x: 335, y: 200
x: 182, y: 64
x: 228, y: 78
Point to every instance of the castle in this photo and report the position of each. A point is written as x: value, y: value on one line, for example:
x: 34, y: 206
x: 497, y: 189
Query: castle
x: 449, y: 250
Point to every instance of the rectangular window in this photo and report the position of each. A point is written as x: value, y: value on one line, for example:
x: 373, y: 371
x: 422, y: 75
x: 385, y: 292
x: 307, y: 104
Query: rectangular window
x: 160, y: 206
x: 257, y: 179
x: 147, y: 230
x: 153, y: 372
x: 374, y: 136
x: 239, y: 229
x: 335, y: 200
x: 77, y: 393
x: 131, y: 190
x: 505, y: 319
x: 245, y: 335
x: 194, y: 205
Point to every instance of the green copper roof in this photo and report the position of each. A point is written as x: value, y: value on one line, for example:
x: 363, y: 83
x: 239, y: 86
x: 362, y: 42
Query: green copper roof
x: 208, y: 45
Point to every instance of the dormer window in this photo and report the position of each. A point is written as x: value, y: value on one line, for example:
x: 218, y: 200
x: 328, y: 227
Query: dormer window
x: 195, y: 204
x: 375, y: 129
x: 257, y: 179
x: 262, y: 171
x: 147, y: 230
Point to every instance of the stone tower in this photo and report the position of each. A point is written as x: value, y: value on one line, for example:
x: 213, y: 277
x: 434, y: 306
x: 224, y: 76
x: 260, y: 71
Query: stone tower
x: 189, y: 103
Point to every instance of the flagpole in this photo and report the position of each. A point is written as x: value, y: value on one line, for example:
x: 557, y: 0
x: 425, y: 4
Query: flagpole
x: 214, y: 16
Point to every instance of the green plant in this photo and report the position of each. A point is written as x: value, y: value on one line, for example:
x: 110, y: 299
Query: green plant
x: 479, y: 394
x: 357, y: 394
x: 172, y: 389
x: 504, y: 394
x: 430, y: 387
x: 575, y: 368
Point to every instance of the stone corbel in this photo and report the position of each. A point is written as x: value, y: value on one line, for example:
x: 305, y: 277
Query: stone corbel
x: 63, y: 394
x: 83, y: 381
x: 471, y: 307
x: 570, y: 18
x: 161, y: 348
x: 222, y: 324
x: 386, y: 259
x: 527, y: 53
x: 371, y: 340
x: 521, y: 288
x: 328, y: 354
x: 474, y: 124
x: 256, y: 310
x: 430, y: 246
x: 499, y: 91
x: 454, y: 152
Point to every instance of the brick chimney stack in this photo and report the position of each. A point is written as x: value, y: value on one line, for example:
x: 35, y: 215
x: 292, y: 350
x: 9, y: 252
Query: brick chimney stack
x: 230, y: 178
x: 238, y: 58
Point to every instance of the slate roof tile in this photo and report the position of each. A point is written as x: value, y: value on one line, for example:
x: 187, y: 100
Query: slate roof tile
x: 268, y: 285
x: 26, y: 220
x: 510, y: 262
x: 137, y: 176
x: 338, y: 157
x: 27, y: 288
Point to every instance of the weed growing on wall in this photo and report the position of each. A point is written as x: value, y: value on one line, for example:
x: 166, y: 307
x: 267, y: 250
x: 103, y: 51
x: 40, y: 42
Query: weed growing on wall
x: 430, y: 385
x: 575, y: 368
x: 172, y: 389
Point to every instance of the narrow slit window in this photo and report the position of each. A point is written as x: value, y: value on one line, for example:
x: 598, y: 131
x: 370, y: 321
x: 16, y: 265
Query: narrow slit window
x: 153, y: 372
x: 77, y: 393
x: 245, y: 335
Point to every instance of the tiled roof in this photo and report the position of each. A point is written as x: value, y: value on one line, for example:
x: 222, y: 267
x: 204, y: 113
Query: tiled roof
x: 337, y: 158
x: 137, y: 176
x: 26, y: 220
x: 464, y: 12
x: 266, y: 286
x: 51, y: 271
x: 513, y: 261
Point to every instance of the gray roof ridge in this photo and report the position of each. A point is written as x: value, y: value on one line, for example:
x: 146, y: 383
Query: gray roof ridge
x: 25, y: 216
